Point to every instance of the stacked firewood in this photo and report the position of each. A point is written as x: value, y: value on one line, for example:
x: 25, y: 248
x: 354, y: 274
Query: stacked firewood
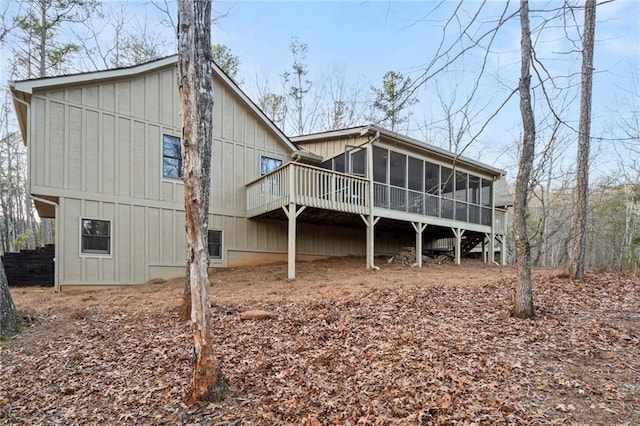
x: 407, y: 256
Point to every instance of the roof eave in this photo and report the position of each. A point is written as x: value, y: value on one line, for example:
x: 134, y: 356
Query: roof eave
x: 496, y: 173
x: 26, y: 87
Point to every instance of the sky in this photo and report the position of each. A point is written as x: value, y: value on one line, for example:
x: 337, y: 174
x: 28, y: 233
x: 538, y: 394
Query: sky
x: 365, y: 39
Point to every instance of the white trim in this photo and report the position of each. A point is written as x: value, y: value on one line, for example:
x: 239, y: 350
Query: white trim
x: 397, y: 137
x: 98, y: 255
x: 27, y: 86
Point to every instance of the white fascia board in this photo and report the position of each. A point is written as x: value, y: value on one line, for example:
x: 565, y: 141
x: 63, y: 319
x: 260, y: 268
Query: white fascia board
x: 27, y: 86
x: 439, y: 151
x: 332, y: 134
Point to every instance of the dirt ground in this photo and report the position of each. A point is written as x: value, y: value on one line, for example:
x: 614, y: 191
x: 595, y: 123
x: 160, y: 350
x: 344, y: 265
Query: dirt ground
x: 349, y: 346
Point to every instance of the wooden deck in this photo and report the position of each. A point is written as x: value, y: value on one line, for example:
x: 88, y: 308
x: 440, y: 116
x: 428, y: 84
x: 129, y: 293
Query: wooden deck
x: 318, y: 188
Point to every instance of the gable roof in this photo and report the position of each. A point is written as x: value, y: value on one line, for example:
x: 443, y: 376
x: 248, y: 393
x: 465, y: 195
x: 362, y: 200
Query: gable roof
x: 373, y: 129
x: 23, y: 89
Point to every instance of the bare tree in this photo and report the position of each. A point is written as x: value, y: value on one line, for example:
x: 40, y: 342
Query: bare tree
x: 226, y: 60
x: 393, y: 100
x: 584, y: 134
x: 342, y: 104
x: 274, y: 106
x: 298, y: 86
x: 195, y: 84
x: 523, y: 296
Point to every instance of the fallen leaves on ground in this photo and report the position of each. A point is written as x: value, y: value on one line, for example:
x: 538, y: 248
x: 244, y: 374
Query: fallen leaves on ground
x: 426, y: 354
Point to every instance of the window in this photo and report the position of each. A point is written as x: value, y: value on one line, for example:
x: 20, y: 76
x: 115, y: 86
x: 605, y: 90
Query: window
x: 268, y: 164
x: 171, y: 157
x: 380, y: 161
x: 356, y: 161
x: 95, y: 236
x: 415, y: 174
x: 398, y: 169
x: 431, y: 178
x: 338, y: 163
x: 446, y: 181
x: 214, y: 242
x: 474, y: 189
x: 461, y: 186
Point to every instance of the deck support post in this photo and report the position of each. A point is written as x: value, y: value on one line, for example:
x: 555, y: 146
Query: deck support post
x: 492, y: 247
x: 503, y: 249
x: 457, y: 232
x: 370, y: 221
x: 488, y: 246
x: 484, y: 249
x: 419, y: 228
x: 292, y: 213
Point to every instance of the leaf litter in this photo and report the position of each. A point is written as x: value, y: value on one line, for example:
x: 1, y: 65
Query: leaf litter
x: 431, y: 346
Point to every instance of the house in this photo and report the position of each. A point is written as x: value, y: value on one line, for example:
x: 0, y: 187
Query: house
x: 104, y: 162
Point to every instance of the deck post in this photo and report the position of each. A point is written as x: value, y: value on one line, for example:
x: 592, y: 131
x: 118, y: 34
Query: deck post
x: 503, y: 249
x: 485, y: 254
x: 292, y: 213
x: 492, y: 247
x: 419, y: 228
x: 370, y: 222
x: 457, y: 232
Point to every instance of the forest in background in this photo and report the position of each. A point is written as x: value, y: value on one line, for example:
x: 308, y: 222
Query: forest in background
x: 43, y: 38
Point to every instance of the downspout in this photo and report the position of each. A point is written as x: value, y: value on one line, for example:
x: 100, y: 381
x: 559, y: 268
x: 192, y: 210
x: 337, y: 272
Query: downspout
x: 56, y: 281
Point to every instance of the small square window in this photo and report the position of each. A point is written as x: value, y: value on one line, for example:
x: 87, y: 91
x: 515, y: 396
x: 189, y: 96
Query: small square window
x: 214, y: 242
x: 171, y: 157
x: 268, y: 164
x: 95, y: 236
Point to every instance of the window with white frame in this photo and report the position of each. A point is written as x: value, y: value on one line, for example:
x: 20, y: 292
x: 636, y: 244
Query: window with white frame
x: 214, y: 244
x: 171, y: 157
x: 95, y: 236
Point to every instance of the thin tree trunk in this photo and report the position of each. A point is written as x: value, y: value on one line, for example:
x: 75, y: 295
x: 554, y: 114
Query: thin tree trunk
x: 523, y: 296
x: 42, y: 45
x: 584, y: 134
x: 196, y: 94
x: 9, y: 318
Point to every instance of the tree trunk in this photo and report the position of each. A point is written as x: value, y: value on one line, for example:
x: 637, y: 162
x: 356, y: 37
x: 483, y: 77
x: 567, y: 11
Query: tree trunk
x: 584, y: 134
x: 9, y: 318
x: 523, y: 296
x: 196, y: 94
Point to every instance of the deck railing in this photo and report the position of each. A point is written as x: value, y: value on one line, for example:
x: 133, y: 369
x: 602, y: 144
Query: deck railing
x: 396, y: 198
x: 326, y: 189
x: 308, y: 186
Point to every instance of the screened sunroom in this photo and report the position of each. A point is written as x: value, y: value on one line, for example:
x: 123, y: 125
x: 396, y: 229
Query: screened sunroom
x: 372, y: 178
x: 411, y: 184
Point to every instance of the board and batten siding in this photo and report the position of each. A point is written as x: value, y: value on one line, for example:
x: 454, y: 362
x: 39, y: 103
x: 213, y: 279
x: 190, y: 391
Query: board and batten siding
x: 98, y: 149
x: 334, y: 147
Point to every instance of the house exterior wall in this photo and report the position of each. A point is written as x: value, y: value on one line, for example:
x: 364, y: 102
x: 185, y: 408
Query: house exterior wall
x: 97, y: 148
x: 331, y: 148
